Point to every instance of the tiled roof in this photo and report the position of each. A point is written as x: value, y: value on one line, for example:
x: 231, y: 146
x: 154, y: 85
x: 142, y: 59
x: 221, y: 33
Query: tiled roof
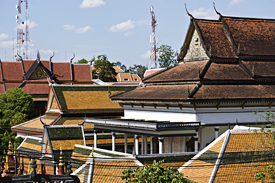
x: 30, y: 145
x: 80, y: 154
x: 67, y: 136
x: 34, y: 88
x: 160, y: 92
x: 62, y: 71
x: 226, y: 71
x: 111, y: 171
x: 149, y: 73
x: 74, y: 121
x: 261, y: 68
x: 12, y: 71
x: 35, y: 125
x: 117, y: 69
x: 82, y: 72
x: 88, y: 99
x: 124, y: 77
x: 235, y: 92
x: 183, y: 72
x: 215, y: 39
x: 199, y: 168
x: 12, y: 85
x: 135, y: 78
x: 253, y: 36
x: 245, y: 155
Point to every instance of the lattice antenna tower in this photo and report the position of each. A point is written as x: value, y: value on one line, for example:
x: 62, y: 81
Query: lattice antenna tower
x: 22, y: 45
x: 20, y: 40
x: 27, y: 33
x: 153, y: 40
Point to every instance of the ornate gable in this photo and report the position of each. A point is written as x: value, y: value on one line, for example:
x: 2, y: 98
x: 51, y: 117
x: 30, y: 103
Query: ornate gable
x: 38, y: 73
x: 54, y: 104
x: 195, y: 51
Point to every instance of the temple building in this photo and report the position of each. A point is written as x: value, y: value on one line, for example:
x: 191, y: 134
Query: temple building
x: 225, y: 71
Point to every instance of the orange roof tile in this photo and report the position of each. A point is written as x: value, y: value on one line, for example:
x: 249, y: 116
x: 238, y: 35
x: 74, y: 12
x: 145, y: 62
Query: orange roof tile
x: 82, y: 72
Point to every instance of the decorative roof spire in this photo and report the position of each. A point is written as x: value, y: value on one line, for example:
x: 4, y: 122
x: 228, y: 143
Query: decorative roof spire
x: 72, y: 58
x: 191, y: 16
x: 10, y: 147
x: 61, y: 163
x: 220, y: 15
x: 38, y: 56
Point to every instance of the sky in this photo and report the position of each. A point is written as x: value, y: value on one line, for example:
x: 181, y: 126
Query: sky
x: 120, y: 29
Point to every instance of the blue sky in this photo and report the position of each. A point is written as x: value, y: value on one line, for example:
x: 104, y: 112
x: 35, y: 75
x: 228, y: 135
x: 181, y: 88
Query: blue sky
x: 121, y: 29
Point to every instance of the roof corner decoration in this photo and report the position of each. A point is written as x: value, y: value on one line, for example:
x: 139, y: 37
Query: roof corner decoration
x: 22, y: 64
x: 51, y: 69
x: 71, y: 64
x: 191, y: 16
x: 220, y: 15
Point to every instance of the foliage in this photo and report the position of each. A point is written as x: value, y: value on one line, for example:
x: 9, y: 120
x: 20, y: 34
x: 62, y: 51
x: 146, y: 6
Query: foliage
x: 16, y: 106
x: 166, y: 56
x: 269, y: 170
x: 104, y: 69
x: 82, y: 61
x: 137, y: 69
x: 120, y: 65
x: 153, y: 174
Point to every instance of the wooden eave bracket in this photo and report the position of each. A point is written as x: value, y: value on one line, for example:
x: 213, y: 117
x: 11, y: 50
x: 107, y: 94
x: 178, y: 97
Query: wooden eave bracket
x: 218, y: 106
x: 270, y: 105
x: 243, y: 104
x: 142, y: 105
x: 167, y: 106
x: 121, y: 104
x: 180, y: 106
x: 132, y: 105
x: 155, y: 106
x: 194, y: 106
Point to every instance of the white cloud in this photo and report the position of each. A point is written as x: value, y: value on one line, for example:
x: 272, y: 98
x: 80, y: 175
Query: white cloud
x: 68, y: 27
x: 128, y: 33
x: 4, y: 36
x: 46, y: 52
x: 233, y: 2
x: 146, y: 55
x: 204, y: 13
x: 31, y: 25
x: 83, y: 29
x: 6, y: 44
x: 124, y: 26
x: 92, y: 3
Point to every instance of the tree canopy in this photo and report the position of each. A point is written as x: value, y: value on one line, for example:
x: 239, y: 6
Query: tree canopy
x: 82, y: 61
x: 16, y: 107
x: 154, y: 174
x: 104, y: 69
x: 166, y: 56
x: 137, y: 69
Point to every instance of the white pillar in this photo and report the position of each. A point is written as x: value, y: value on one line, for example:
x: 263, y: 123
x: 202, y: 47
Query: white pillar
x: 95, y: 139
x: 170, y: 144
x: 142, y: 144
x: 145, y: 144
x: 113, y: 141
x: 183, y: 144
x: 151, y: 145
x: 136, y: 144
x: 125, y: 143
x: 216, y: 132
x: 196, y: 141
x: 160, y: 145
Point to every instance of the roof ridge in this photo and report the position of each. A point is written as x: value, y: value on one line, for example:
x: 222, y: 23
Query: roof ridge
x: 217, y: 164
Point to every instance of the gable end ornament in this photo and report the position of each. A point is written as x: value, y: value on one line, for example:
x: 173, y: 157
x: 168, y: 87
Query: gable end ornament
x: 38, y: 57
x: 220, y: 15
x: 191, y: 16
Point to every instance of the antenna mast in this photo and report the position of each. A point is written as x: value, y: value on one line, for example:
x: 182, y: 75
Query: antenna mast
x: 22, y: 45
x: 19, y: 30
x: 153, y: 40
x: 27, y: 38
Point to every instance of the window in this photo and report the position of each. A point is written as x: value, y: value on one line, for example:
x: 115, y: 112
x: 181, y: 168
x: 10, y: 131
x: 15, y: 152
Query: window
x: 126, y: 79
x: 136, y: 79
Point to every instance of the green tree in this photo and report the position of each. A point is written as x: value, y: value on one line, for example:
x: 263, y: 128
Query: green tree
x: 269, y: 170
x: 16, y: 107
x: 104, y: 69
x: 120, y: 65
x: 153, y: 174
x: 82, y: 61
x: 166, y: 56
x: 137, y: 69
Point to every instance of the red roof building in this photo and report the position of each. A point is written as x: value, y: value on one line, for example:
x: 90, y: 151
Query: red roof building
x: 34, y: 77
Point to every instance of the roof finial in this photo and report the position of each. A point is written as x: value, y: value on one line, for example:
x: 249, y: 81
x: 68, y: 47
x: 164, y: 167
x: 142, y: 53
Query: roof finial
x: 38, y: 56
x: 52, y: 57
x: 216, y: 10
x: 191, y: 16
x: 72, y: 58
